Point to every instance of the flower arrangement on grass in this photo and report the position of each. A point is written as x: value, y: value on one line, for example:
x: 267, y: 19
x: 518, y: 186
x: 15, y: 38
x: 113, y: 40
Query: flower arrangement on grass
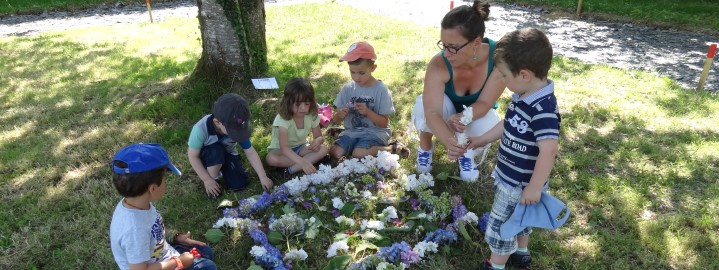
x: 352, y: 209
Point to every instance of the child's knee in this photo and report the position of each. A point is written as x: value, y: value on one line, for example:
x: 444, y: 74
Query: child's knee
x: 336, y: 151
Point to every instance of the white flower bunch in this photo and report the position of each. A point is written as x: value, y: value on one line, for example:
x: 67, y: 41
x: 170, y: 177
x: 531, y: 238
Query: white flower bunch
x: 295, y: 255
x: 470, y: 217
x: 340, y: 245
x: 225, y: 221
x: 366, y: 194
x: 388, y: 214
x: 466, y: 118
x: 337, y: 203
x: 297, y: 185
x: 387, y: 161
x: 258, y: 251
x: 382, y: 266
x: 372, y: 224
x: 345, y: 220
x: 288, y: 224
x: 424, y: 247
x: 414, y: 184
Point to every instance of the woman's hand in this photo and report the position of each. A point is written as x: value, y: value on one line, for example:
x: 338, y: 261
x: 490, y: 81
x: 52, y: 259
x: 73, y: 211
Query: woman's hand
x: 454, y: 150
x: 454, y: 123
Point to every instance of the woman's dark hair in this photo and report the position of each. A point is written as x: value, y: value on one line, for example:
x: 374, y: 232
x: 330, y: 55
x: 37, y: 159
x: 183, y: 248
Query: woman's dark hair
x: 135, y: 184
x: 469, y: 20
x: 297, y: 90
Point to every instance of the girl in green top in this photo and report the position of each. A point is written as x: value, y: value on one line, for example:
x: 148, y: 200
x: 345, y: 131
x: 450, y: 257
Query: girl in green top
x: 296, y: 118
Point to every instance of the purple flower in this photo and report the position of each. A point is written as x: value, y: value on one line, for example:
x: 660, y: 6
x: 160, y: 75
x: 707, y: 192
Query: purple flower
x: 262, y: 202
x: 231, y: 212
x: 280, y: 193
x: 369, y: 185
x: 410, y: 257
x: 441, y: 236
x: 393, y: 254
x: 312, y: 189
x: 307, y: 205
x: 414, y: 203
x: 482, y: 224
x: 335, y: 213
x: 316, y: 199
x: 380, y: 185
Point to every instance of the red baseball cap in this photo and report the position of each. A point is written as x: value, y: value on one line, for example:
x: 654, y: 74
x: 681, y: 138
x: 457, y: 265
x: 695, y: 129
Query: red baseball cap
x: 359, y: 50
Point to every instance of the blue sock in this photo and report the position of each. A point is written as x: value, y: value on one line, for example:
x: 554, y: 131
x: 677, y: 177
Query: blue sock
x: 523, y: 250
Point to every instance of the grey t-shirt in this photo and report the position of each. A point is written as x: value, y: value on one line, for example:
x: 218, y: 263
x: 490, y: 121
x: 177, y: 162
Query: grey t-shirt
x: 377, y: 98
x: 138, y: 236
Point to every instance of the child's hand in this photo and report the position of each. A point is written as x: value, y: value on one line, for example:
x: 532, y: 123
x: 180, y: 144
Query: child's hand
x: 475, y: 142
x: 307, y: 167
x: 454, y: 150
x: 342, y: 113
x: 266, y: 183
x: 362, y: 108
x: 185, y: 240
x: 316, y: 144
x: 531, y: 195
x: 212, y: 188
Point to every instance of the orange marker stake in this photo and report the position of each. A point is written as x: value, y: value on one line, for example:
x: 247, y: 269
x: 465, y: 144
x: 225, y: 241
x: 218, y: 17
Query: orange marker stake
x: 707, y: 65
x: 451, y: 4
x: 149, y: 9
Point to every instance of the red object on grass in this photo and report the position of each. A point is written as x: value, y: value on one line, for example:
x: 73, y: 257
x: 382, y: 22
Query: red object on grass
x: 712, y: 50
x: 195, y: 253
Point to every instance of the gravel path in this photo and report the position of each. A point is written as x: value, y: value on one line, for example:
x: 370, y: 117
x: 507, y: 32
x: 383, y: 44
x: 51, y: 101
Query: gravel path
x: 679, y: 55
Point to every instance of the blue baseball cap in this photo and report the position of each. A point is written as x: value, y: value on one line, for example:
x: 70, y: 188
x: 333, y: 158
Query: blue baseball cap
x: 544, y: 214
x: 143, y: 157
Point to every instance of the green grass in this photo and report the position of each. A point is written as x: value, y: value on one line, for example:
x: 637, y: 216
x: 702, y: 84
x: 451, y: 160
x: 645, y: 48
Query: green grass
x: 637, y: 162
x: 38, y: 6
x: 691, y: 14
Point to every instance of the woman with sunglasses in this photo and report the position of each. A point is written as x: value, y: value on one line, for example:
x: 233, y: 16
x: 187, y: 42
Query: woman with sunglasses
x: 459, y: 75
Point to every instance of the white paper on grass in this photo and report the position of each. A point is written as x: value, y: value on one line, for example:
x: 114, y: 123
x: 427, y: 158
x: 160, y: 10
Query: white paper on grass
x: 265, y: 83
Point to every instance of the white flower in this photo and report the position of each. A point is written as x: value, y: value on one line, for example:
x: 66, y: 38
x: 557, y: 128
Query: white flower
x: 225, y: 221
x: 414, y: 184
x: 366, y: 194
x: 337, y: 203
x: 295, y: 255
x: 345, y: 220
x: 423, y: 247
x: 462, y: 138
x: 387, y: 161
x: 382, y: 266
x: 422, y: 215
x: 470, y: 217
x: 389, y: 213
x: 467, y: 115
x: 312, y: 220
x: 340, y: 245
x: 372, y: 224
x: 258, y: 251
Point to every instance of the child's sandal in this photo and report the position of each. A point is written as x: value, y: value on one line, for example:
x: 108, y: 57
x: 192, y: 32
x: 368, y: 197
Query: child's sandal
x: 400, y: 149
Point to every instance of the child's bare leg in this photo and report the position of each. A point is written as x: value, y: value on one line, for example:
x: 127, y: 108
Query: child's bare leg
x: 214, y: 171
x: 523, y: 241
x: 314, y: 156
x: 498, y: 260
x: 372, y: 151
x: 275, y: 158
x: 337, y: 152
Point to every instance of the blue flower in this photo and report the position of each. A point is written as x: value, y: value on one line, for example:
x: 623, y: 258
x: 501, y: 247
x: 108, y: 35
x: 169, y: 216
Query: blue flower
x: 393, y: 254
x: 441, y: 237
x: 316, y: 199
x: 482, y: 224
x: 264, y: 201
x: 259, y: 237
x: 313, y: 189
x: 281, y: 193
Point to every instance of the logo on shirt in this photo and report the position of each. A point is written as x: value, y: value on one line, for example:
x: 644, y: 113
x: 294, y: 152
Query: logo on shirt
x: 518, y: 123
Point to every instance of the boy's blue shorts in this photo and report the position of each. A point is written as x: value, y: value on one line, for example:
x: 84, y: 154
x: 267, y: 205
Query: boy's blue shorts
x: 232, y: 170
x: 349, y: 144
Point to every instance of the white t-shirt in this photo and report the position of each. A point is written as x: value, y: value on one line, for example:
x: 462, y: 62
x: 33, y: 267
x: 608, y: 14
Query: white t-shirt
x: 138, y: 236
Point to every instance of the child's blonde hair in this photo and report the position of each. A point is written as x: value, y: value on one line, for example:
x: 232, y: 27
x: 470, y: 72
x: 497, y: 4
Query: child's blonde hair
x: 297, y: 90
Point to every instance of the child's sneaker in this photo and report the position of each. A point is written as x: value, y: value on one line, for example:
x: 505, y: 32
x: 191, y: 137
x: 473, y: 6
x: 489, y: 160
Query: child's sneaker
x: 520, y: 260
x: 424, y: 160
x: 468, y: 170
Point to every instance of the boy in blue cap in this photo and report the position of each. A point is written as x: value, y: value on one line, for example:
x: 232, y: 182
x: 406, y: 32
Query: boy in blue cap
x: 529, y: 140
x: 137, y: 232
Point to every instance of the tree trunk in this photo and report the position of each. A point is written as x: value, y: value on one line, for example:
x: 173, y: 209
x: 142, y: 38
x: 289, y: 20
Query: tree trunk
x: 233, y: 42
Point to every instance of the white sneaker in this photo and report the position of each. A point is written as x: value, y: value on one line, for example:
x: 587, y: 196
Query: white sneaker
x: 468, y: 170
x: 424, y: 160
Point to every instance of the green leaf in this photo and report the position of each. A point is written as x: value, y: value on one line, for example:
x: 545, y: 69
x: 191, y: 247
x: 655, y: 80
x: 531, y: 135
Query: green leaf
x: 275, y: 238
x: 347, y: 209
x: 371, y: 236
x: 225, y: 204
x: 322, y: 208
x: 456, y: 178
x: 463, y: 230
x: 365, y: 245
x: 340, y: 237
x: 415, y: 215
x: 442, y: 176
x: 312, y: 232
x: 254, y: 267
x: 445, y: 249
x: 338, y: 262
x: 214, y: 235
x: 287, y: 209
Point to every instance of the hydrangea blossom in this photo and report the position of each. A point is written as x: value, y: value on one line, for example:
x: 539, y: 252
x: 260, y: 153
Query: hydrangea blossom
x: 295, y: 255
x: 366, y: 194
x: 225, y: 221
x: 393, y: 254
x: 258, y: 236
x: 337, y: 203
x: 345, y: 220
x: 372, y: 224
x: 258, y: 251
x: 424, y: 181
x: 470, y: 218
x: 339, y: 245
x: 441, y: 237
x: 424, y: 247
x: 288, y: 224
x: 389, y: 213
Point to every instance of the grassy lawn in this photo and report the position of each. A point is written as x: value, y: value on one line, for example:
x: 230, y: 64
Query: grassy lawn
x: 691, y: 14
x: 637, y: 162
x: 38, y: 6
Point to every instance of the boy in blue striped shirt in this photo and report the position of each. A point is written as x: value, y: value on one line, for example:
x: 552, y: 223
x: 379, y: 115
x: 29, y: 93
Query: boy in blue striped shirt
x: 529, y: 140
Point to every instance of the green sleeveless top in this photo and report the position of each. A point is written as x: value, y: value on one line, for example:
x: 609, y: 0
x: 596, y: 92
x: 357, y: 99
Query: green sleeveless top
x: 459, y: 101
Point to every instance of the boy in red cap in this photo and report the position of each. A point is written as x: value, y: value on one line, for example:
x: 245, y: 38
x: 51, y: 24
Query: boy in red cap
x: 364, y: 105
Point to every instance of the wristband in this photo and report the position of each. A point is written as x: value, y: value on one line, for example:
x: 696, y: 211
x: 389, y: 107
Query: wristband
x: 178, y: 263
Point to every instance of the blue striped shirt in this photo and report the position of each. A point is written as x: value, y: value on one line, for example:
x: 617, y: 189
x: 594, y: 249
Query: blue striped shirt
x: 527, y: 121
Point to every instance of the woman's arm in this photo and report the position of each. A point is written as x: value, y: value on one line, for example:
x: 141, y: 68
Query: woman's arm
x: 491, y: 92
x: 432, y: 98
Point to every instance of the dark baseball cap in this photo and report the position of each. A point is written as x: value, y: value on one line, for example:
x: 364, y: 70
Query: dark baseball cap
x: 232, y: 111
